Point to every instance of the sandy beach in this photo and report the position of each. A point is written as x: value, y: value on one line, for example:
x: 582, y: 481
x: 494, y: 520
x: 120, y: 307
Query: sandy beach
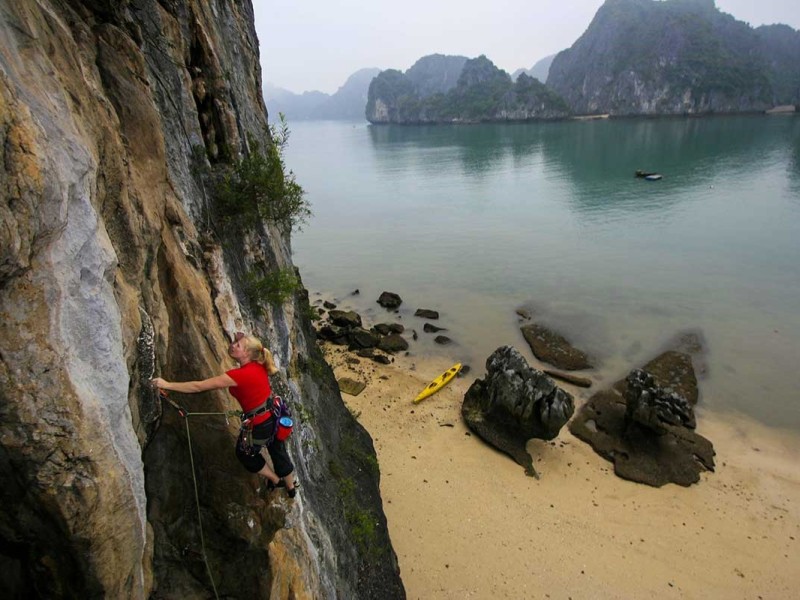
x: 466, y: 522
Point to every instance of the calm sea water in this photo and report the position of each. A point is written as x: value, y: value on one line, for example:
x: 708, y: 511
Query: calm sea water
x: 476, y: 221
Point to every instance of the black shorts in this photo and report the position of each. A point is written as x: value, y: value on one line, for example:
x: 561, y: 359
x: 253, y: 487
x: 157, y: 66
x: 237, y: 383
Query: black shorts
x: 254, y: 462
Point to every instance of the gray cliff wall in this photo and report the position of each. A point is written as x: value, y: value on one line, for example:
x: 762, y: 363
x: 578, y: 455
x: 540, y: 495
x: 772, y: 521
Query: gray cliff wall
x: 111, y: 271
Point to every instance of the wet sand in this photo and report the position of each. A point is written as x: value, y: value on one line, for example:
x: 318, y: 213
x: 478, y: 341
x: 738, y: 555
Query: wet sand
x: 466, y: 522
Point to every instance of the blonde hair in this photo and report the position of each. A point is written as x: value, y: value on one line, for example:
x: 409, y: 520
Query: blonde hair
x: 259, y: 353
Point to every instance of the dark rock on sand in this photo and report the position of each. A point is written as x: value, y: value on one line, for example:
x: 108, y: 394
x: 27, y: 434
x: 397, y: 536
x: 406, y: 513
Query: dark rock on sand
x: 390, y: 300
x: 387, y: 328
x: 655, y: 407
x: 333, y: 333
x: 382, y: 359
x: 649, y: 438
x: 329, y: 305
x: 428, y: 328
x: 583, y: 382
x: 393, y: 343
x: 674, y: 370
x: 361, y: 338
x: 351, y: 386
x: 366, y: 352
x: 345, y: 318
x: 550, y: 347
x: 514, y: 404
x: 443, y: 340
x: 426, y: 313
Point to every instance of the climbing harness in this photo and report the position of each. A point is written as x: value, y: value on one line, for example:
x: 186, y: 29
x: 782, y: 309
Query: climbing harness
x: 250, y: 444
x: 185, y: 414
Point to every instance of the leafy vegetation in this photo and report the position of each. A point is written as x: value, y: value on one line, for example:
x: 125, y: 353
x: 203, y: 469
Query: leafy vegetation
x: 258, y: 187
x: 361, y: 522
x: 273, y: 288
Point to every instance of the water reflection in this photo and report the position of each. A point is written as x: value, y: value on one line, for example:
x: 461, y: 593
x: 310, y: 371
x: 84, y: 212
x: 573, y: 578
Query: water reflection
x: 596, y: 160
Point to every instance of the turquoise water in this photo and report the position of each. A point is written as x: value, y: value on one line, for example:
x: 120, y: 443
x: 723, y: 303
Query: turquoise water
x: 476, y: 221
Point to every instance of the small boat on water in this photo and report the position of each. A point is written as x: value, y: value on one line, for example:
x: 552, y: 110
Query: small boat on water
x: 438, y: 383
x: 649, y: 176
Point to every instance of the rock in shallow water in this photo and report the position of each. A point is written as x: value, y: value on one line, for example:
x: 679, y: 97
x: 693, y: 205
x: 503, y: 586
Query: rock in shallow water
x: 514, y: 404
x: 389, y: 300
x: 550, y: 347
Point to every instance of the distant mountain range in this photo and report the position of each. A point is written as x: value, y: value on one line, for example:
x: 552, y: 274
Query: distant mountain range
x: 637, y: 57
x: 347, y: 103
x: 454, y: 89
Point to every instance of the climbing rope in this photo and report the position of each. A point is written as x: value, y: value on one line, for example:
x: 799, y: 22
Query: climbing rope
x: 185, y: 414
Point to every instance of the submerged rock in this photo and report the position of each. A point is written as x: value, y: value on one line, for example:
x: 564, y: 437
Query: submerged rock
x: 428, y: 328
x: 514, y: 404
x: 550, y: 347
x: 426, y: 313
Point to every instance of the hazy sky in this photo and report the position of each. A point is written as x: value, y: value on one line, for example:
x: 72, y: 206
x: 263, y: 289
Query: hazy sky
x: 317, y: 44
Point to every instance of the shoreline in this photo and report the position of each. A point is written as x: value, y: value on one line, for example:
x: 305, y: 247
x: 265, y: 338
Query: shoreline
x: 465, y: 521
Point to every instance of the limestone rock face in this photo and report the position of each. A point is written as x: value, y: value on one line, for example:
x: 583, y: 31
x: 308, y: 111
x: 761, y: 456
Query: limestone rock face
x: 514, y: 404
x: 110, y: 273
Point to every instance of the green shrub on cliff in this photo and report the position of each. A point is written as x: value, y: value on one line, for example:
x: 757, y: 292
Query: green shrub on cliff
x: 259, y: 187
x: 273, y: 288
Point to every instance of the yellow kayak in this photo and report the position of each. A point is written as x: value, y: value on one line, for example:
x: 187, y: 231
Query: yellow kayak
x: 438, y: 383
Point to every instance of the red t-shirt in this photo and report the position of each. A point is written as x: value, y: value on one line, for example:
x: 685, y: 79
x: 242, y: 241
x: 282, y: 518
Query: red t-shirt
x: 252, y: 388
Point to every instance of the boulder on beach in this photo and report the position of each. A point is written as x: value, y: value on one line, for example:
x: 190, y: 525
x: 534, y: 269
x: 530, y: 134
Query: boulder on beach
x: 515, y: 403
x: 644, y: 424
x: 674, y: 370
x: 551, y: 347
x: 426, y: 313
x: 345, y: 318
x: 351, y: 386
x: 333, y: 333
x: 655, y: 407
x: 428, y: 328
x: 388, y: 328
x: 390, y: 300
x: 443, y: 340
x: 393, y: 343
x: 361, y: 338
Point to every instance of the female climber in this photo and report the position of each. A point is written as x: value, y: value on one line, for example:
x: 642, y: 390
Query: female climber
x: 250, y: 385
